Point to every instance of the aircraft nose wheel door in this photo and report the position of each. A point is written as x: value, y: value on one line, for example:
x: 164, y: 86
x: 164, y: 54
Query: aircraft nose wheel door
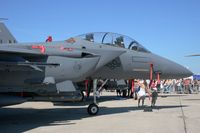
x: 93, y: 108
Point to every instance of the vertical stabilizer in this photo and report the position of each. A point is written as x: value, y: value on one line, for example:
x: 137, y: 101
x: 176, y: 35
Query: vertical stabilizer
x: 5, y: 35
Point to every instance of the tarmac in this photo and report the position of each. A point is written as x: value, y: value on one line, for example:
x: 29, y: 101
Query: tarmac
x: 174, y: 113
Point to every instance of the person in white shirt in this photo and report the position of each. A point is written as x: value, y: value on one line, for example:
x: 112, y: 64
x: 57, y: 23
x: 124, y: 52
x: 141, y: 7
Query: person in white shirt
x: 141, y: 93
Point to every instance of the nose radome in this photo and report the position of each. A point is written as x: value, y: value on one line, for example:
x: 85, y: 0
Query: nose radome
x: 179, y: 71
x: 170, y: 69
x: 187, y: 73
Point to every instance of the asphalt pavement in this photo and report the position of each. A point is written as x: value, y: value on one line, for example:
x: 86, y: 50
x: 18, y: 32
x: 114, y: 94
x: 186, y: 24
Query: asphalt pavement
x: 173, y: 114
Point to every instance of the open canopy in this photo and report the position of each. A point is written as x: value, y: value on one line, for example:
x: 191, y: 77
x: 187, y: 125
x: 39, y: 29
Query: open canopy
x: 114, y: 39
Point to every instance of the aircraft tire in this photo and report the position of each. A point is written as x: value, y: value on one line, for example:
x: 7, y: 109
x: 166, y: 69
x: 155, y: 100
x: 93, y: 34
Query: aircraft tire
x: 93, y: 109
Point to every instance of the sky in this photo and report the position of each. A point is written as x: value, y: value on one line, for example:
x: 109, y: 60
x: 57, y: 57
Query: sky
x: 169, y: 28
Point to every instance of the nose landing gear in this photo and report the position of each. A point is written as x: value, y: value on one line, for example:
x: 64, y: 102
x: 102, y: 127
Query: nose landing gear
x: 93, y: 108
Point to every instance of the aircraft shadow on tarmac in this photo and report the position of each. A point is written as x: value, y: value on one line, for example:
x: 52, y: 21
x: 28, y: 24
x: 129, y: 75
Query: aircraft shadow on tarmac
x: 24, y: 119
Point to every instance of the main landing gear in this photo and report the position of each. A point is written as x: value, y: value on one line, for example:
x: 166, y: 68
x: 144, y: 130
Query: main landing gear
x: 93, y: 108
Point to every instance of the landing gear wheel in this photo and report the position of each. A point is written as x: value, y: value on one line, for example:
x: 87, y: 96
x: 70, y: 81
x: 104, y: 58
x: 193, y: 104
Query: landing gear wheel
x: 93, y: 109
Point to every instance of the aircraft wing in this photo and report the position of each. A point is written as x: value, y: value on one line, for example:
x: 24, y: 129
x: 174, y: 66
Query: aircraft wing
x: 34, y: 57
x: 40, y: 64
x: 42, y: 50
x: 19, y: 58
x: 25, y: 66
x: 15, y: 50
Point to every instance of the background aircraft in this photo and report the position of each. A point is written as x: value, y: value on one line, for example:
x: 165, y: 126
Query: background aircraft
x: 53, y: 68
x: 193, y: 55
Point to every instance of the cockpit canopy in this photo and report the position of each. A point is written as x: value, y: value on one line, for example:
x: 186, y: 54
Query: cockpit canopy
x: 114, y: 39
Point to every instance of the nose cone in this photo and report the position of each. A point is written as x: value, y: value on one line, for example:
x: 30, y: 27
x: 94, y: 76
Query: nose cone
x: 170, y: 69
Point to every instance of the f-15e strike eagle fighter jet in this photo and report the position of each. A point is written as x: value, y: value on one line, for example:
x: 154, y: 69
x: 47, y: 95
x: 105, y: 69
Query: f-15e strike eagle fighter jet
x: 42, y: 67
